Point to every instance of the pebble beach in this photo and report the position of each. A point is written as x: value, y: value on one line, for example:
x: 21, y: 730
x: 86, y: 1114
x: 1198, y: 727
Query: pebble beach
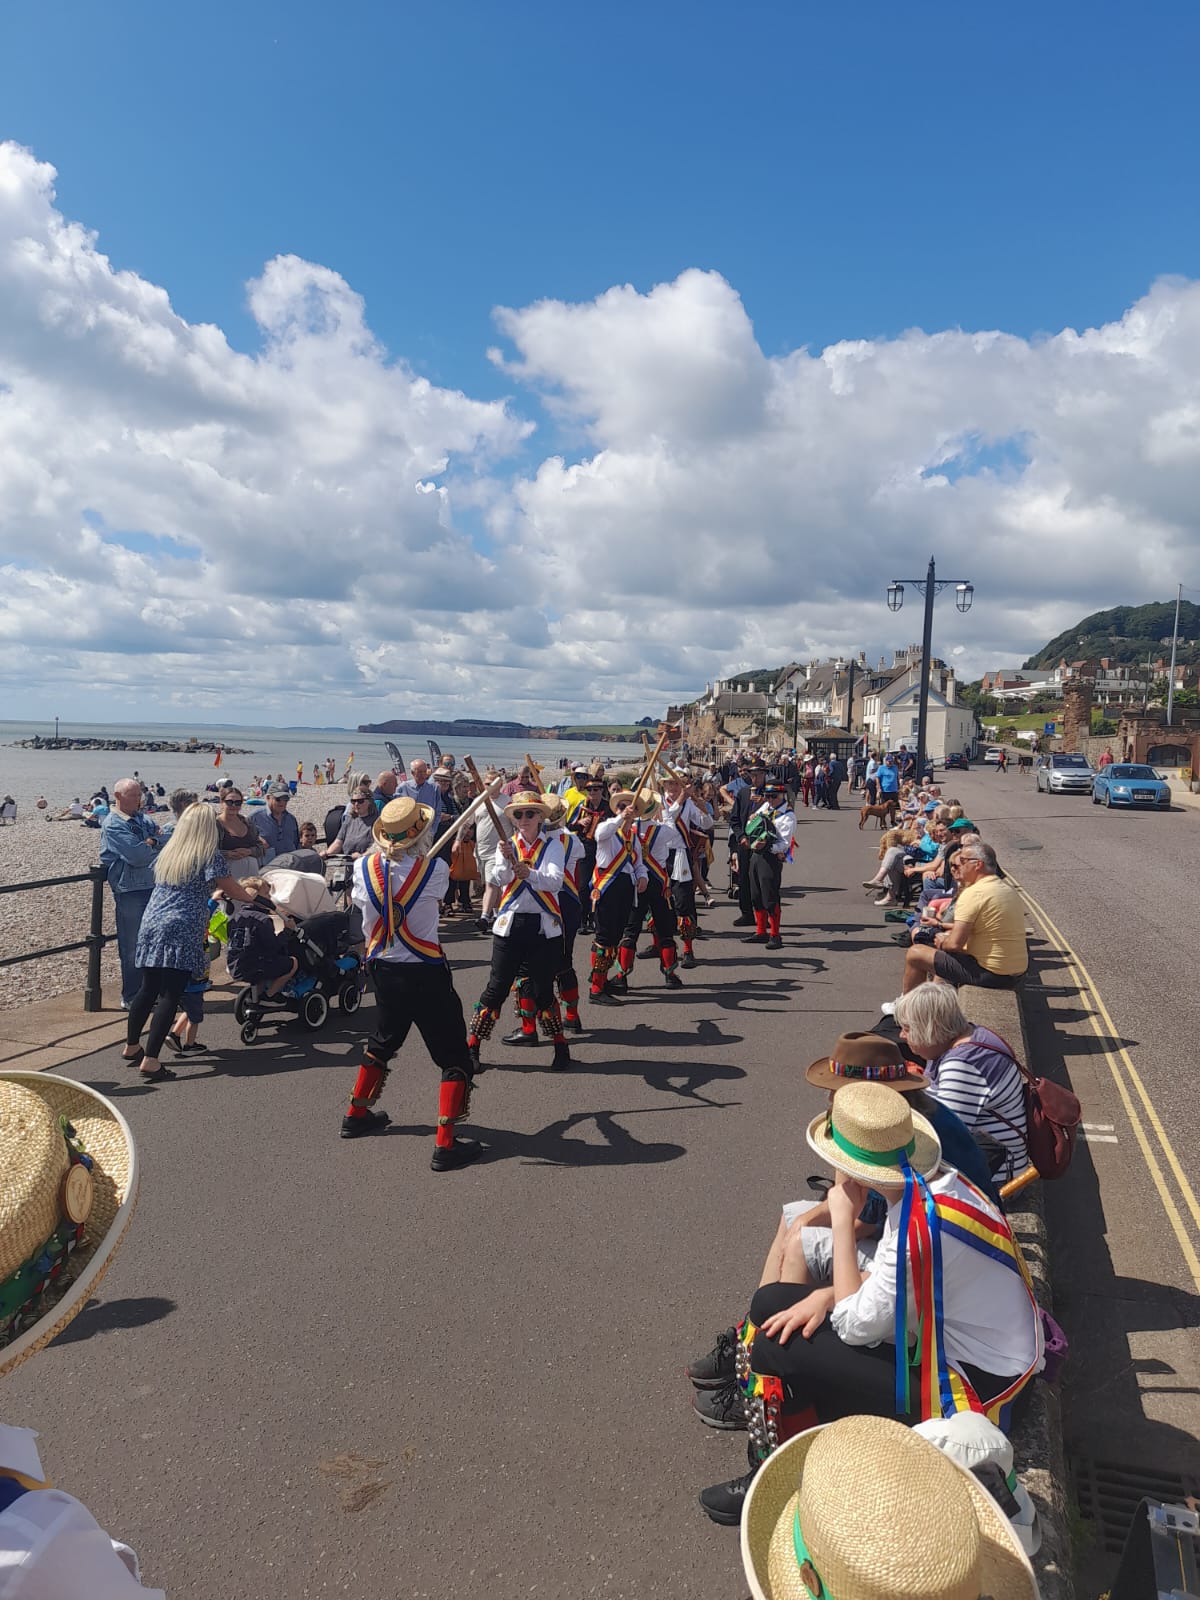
x: 33, y: 849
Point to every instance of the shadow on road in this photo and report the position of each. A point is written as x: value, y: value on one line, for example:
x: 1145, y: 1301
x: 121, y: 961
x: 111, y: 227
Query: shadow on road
x: 551, y: 1146
x: 100, y: 1316
x: 682, y: 1078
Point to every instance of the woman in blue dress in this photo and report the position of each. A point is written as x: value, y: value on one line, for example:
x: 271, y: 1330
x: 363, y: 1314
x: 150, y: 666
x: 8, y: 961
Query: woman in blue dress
x: 170, y: 947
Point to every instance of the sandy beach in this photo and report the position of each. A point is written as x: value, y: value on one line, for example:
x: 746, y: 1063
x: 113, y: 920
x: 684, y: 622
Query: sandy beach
x: 33, y: 849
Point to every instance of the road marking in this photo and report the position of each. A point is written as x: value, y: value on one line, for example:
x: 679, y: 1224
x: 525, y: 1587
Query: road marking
x: 1097, y: 1138
x: 1118, y: 1058
x: 1096, y: 1127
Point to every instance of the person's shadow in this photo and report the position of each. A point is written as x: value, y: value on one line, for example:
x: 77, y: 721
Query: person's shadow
x: 101, y: 1316
x: 552, y: 1145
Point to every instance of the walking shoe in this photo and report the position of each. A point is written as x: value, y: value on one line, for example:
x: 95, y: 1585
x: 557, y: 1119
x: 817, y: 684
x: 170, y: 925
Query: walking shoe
x: 604, y: 999
x: 572, y: 1025
x: 886, y: 900
x: 870, y: 883
x: 724, y: 1501
x: 672, y: 980
x: 460, y: 1154
x: 519, y: 1036
x: 743, y: 922
x: 562, y: 1057
x: 483, y: 924
x: 774, y: 942
x: 721, y: 1408
x: 754, y: 938
x: 373, y: 1122
x: 716, y: 1369
x: 687, y: 959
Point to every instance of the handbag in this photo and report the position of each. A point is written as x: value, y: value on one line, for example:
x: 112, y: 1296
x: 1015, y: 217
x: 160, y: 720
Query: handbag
x: 463, y: 868
x: 1052, y: 1118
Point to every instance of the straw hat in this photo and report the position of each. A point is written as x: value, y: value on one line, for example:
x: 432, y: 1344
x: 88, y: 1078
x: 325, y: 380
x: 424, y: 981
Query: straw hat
x: 525, y: 800
x: 619, y: 794
x: 556, y: 808
x: 868, y: 1058
x: 50, y: 1203
x: 648, y: 804
x: 868, y: 1129
x: 865, y: 1509
x: 401, y: 826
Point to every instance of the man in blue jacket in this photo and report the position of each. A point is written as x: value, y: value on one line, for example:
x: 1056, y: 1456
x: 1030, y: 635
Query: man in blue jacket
x: 129, y: 842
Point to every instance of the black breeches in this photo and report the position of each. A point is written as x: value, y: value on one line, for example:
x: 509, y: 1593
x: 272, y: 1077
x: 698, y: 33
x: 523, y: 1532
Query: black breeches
x: 838, y: 1380
x: 612, y: 911
x: 410, y: 994
x: 572, y: 915
x: 662, y: 915
x: 766, y: 878
x: 683, y: 898
x: 523, y: 949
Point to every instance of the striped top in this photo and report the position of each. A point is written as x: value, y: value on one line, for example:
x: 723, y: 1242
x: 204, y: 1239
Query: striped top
x: 979, y: 1081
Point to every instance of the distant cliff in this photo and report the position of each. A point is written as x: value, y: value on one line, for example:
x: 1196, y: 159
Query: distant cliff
x: 469, y: 728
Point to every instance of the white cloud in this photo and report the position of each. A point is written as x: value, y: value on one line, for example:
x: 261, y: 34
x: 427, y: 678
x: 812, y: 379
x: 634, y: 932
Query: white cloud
x: 367, y: 542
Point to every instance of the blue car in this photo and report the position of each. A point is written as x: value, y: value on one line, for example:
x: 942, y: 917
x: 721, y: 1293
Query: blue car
x: 1126, y: 784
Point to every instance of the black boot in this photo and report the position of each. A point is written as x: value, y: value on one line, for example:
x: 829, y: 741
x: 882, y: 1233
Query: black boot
x: 672, y: 979
x: 519, y: 1036
x: 754, y: 938
x: 460, y: 1154
x: 372, y: 1122
x: 687, y: 959
x: 774, y: 942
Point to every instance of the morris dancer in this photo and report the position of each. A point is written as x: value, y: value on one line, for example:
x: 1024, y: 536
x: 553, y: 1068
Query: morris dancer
x: 566, y: 982
x: 768, y: 836
x: 529, y: 925
x: 399, y: 893
x: 659, y: 841
x: 583, y: 821
x: 618, y: 879
x: 680, y: 809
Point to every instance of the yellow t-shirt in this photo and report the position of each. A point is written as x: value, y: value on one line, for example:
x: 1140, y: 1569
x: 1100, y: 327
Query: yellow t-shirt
x: 997, y: 918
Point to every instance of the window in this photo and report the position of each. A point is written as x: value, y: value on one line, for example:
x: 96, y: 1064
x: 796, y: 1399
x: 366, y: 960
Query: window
x: 916, y: 727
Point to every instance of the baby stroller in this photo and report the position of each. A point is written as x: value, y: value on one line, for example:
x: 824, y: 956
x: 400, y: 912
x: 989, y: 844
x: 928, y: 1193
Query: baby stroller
x: 326, y: 965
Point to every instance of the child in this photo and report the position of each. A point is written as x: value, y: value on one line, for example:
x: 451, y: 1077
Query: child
x: 182, y: 1037
x: 308, y: 836
x: 257, y: 953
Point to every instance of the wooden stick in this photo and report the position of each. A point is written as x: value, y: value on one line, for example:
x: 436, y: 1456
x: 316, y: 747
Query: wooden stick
x: 485, y: 794
x: 460, y: 822
x: 664, y: 765
x: 657, y: 751
x: 537, y: 772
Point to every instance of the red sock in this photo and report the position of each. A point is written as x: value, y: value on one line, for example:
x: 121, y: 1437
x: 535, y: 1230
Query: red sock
x: 668, y: 957
x: 452, y: 1103
x: 773, y: 920
x: 760, y: 922
x: 527, y: 1009
x: 626, y: 955
x: 792, y: 1423
x: 367, y: 1088
x: 569, y: 994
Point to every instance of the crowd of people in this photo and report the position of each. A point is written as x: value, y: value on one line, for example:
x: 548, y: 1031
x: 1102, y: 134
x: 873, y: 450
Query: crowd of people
x: 893, y: 1313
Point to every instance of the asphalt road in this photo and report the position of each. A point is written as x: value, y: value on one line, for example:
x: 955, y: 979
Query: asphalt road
x: 318, y: 1368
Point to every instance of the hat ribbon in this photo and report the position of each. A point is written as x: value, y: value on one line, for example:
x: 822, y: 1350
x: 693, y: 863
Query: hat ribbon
x: 808, y: 1572
x: 887, y: 1073
x: 873, y: 1158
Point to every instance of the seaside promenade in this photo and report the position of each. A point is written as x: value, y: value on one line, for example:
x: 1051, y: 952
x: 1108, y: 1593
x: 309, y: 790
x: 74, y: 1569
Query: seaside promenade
x: 315, y: 1367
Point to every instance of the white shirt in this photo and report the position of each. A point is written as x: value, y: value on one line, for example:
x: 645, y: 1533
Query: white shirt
x: 423, y: 917
x: 548, y: 876
x: 608, y: 848
x: 573, y: 858
x: 785, y: 826
x: 686, y: 811
x: 989, y: 1320
x: 51, y: 1546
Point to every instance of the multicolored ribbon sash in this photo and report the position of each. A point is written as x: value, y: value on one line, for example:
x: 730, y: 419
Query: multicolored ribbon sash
x: 570, y: 875
x: 604, y: 877
x: 532, y: 856
x: 654, y: 869
x: 392, y: 906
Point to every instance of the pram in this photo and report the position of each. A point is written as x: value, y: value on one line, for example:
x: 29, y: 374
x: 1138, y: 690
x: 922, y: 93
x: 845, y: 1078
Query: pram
x: 326, y: 965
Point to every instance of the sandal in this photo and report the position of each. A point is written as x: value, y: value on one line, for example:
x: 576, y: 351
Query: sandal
x: 159, y: 1075
x: 134, y: 1060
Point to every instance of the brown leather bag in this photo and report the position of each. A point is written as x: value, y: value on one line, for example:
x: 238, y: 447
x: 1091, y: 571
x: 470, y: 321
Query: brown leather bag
x: 1052, y: 1118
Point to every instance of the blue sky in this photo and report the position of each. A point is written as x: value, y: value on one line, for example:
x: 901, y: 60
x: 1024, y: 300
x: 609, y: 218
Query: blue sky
x: 853, y: 169
x: 768, y: 179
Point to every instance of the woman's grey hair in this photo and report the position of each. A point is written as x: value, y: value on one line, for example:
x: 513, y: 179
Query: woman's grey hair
x: 933, y: 1017
x: 180, y: 799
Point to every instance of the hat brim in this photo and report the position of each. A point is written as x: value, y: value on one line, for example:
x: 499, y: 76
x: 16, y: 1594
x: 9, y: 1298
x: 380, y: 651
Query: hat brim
x: 925, y: 1160
x: 397, y: 847
x: 103, y: 1134
x: 524, y: 803
x: 1006, y: 1571
x: 822, y: 1076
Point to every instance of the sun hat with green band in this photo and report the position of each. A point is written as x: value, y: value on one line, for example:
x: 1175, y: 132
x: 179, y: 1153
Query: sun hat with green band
x: 865, y: 1509
x: 871, y: 1132
x: 401, y: 826
x: 68, y: 1186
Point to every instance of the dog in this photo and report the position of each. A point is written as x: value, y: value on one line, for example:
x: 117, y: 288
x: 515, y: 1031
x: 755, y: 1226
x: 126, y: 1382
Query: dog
x: 882, y: 811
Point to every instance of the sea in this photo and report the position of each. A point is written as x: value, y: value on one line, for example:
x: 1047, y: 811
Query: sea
x: 61, y: 775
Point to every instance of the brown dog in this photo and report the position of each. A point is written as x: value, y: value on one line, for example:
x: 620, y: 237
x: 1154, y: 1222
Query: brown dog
x: 882, y: 811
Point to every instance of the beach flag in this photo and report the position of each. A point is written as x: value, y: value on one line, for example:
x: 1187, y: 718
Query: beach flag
x: 217, y: 758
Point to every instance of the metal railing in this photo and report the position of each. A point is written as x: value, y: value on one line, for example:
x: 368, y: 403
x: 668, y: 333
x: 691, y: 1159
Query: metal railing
x: 96, y: 937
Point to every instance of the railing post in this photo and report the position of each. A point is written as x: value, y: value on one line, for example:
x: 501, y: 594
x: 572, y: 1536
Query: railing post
x: 95, y: 940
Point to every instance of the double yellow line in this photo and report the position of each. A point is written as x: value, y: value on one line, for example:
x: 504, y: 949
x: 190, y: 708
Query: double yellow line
x: 1129, y: 1084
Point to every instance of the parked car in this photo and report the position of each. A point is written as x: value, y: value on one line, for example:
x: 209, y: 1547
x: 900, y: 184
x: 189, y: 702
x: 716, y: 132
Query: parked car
x: 991, y: 756
x: 957, y: 762
x: 1063, y: 772
x: 1126, y: 783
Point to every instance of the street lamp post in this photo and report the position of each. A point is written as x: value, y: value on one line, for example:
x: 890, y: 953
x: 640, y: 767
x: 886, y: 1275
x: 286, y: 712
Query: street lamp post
x: 930, y: 586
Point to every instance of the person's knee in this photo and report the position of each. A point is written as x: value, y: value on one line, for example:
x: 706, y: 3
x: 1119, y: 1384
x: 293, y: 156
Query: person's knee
x: 773, y: 1297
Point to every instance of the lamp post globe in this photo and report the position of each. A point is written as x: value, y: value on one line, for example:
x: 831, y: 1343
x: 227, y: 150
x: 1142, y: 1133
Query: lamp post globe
x: 895, y: 596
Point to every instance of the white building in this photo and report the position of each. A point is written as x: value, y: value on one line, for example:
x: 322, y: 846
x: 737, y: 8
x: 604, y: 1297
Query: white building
x: 891, y: 713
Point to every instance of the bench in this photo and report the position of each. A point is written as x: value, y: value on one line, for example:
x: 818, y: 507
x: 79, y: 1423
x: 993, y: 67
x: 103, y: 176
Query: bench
x: 1037, y: 1434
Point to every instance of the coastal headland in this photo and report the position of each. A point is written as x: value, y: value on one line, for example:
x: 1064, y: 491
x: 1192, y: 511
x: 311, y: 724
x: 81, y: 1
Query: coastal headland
x: 467, y: 728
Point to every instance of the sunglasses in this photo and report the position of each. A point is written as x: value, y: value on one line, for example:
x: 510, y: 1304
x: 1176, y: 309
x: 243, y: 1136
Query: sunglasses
x: 521, y: 816
x: 230, y: 802
x: 623, y: 805
x: 360, y: 802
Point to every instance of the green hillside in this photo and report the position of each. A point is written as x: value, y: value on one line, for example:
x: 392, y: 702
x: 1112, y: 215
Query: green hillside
x: 1125, y: 634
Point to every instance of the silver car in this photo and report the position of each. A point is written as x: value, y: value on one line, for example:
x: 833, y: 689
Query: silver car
x: 1064, y: 773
